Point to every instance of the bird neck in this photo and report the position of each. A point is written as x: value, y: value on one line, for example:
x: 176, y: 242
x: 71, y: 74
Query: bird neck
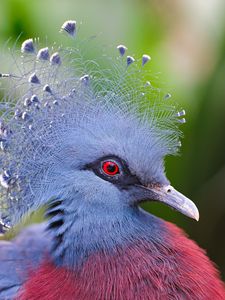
x: 87, y: 233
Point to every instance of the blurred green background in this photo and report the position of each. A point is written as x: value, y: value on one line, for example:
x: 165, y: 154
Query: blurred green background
x: 186, y: 40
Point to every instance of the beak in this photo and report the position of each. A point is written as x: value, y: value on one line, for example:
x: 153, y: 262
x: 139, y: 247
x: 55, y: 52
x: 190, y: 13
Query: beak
x: 168, y: 195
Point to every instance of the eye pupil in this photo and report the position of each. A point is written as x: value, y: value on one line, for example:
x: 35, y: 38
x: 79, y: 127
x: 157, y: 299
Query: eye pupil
x: 110, y: 168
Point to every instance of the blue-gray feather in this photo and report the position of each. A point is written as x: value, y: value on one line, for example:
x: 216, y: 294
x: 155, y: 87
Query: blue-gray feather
x: 52, y: 118
x: 19, y: 256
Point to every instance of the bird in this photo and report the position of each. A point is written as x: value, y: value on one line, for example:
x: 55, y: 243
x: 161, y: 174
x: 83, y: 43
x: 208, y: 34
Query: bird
x: 87, y: 142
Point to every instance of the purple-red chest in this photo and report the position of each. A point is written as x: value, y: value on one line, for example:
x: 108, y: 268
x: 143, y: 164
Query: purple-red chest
x: 143, y: 270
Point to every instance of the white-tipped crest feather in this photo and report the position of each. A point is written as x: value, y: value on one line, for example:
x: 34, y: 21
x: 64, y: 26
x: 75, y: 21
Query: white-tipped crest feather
x: 53, y: 90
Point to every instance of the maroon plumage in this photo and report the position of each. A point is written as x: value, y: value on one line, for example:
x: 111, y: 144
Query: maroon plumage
x: 141, y: 271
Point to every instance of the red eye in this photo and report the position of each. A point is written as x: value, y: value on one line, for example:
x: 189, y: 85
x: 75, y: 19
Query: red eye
x: 110, y: 168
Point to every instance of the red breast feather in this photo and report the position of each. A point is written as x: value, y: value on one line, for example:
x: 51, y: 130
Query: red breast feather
x: 141, y: 271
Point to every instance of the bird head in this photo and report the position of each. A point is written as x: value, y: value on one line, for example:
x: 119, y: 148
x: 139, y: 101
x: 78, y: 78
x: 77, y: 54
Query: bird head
x: 96, y: 142
x: 114, y: 161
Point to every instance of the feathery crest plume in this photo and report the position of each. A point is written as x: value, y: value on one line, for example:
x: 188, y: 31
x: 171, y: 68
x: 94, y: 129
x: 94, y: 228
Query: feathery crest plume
x: 53, y: 90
